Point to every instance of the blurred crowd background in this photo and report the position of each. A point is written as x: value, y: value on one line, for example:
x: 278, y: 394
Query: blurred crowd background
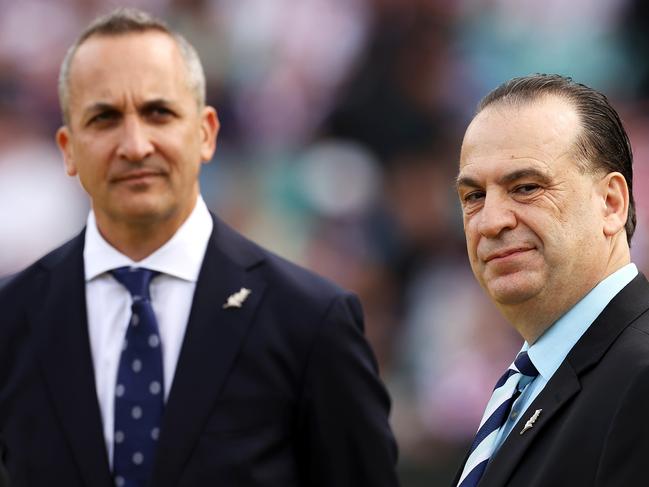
x: 341, y: 127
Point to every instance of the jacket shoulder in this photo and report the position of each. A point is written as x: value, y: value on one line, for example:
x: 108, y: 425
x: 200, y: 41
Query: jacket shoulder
x: 16, y: 285
x: 276, y: 270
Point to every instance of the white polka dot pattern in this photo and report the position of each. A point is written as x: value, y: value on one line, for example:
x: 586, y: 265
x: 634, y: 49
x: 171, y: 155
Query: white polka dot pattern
x: 155, y: 387
x: 139, y: 400
x: 136, y: 365
x: 136, y: 412
x: 154, y: 341
x: 138, y: 458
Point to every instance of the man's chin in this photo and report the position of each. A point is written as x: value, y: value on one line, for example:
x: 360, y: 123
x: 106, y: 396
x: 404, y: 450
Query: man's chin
x: 144, y: 210
x: 512, y: 290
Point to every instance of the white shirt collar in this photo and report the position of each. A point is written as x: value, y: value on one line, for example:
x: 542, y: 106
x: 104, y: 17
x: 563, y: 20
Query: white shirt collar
x: 181, y: 256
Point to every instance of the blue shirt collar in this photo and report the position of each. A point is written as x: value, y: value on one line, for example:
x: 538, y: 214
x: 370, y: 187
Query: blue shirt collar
x: 551, y: 348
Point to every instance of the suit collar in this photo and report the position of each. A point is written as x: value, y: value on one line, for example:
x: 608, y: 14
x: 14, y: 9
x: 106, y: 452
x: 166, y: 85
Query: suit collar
x: 60, y: 326
x: 551, y: 349
x: 623, y: 309
x: 563, y: 386
x: 233, y: 247
x: 212, y: 341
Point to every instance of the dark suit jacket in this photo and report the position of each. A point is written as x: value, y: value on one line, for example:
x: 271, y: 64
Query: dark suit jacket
x: 281, y: 392
x: 593, y: 429
x: 4, y: 281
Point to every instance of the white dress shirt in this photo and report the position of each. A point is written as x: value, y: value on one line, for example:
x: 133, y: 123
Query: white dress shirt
x: 109, y: 303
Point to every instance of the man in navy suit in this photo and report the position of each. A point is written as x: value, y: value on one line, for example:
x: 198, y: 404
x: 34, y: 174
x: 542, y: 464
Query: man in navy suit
x: 545, y: 185
x: 267, y: 379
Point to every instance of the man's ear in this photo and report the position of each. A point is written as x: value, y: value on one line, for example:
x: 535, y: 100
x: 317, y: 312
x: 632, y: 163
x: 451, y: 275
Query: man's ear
x: 63, y: 140
x: 616, y: 203
x: 210, y: 126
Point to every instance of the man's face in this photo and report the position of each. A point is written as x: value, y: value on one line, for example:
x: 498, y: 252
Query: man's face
x: 136, y: 136
x: 533, y: 221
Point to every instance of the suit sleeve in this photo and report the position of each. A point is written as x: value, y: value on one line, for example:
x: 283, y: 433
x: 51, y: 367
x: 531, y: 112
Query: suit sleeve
x: 345, y: 437
x: 625, y: 457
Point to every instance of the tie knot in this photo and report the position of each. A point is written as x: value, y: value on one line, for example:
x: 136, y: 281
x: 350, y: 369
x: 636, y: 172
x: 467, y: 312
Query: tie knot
x: 136, y: 280
x: 525, y: 365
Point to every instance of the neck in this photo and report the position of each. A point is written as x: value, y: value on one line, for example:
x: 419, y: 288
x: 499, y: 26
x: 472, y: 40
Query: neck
x: 139, y: 239
x: 525, y: 319
x: 534, y: 317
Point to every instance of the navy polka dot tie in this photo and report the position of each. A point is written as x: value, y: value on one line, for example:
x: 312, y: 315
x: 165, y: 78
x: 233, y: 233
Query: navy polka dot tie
x: 139, y: 392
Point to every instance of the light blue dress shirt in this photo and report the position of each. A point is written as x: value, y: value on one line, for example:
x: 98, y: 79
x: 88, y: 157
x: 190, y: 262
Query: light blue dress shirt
x: 549, y: 351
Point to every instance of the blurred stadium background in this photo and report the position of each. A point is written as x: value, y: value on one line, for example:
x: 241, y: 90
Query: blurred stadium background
x: 341, y: 127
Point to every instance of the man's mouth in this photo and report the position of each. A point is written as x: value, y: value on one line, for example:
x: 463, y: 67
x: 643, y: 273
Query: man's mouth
x: 504, y: 253
x: 139, y: 175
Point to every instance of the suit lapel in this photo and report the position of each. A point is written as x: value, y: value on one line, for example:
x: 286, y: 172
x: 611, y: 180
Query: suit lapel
x: 63, y: 347
x: 212, y: 341
x: 563, y: 385
x: 625, y: 307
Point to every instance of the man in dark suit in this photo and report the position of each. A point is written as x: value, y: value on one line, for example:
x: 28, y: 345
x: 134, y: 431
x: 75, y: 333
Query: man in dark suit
x: 545, y: 184
x: 256, y: 372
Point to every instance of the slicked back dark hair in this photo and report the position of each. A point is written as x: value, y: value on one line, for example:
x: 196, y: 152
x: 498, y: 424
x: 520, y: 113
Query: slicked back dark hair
x: 601, y: 146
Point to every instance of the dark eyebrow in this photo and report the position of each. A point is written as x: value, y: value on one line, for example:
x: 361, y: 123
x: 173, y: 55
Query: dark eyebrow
x: 524, y: 173
x: 99, y: 107
x: 507, y: 178
x: 466, y: 181
x: 156, y: 102
x: 102, y: 106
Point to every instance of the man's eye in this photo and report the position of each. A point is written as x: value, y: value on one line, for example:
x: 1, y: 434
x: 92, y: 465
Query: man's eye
x: 159, y: 113
x: 473, y: 196
x: 526, y: 188
x: 103, y: 117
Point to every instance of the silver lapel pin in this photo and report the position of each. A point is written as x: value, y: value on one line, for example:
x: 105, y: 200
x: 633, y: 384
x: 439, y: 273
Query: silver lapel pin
x: 531, y: 421
x: 236, y: 300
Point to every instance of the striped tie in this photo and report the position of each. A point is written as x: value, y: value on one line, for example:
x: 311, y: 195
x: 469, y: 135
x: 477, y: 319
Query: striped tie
x: 521, y: 373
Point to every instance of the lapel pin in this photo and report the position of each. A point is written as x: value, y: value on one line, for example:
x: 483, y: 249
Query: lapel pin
x: 531, y: 421
x: 236, y: 300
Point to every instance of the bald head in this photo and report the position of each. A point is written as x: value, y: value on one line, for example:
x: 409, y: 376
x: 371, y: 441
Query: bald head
x: 125, y: 21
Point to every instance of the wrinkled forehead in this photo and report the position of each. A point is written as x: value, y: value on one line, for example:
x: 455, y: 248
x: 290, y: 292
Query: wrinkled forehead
x: 132, y: 54
x: 125, y: 50
x: 146, y: 64
x: 545, y: 129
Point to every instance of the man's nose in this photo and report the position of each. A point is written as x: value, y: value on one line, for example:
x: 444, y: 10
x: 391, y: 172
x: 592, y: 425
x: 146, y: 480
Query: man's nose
x: 135, y: 144
x: 495, y: 216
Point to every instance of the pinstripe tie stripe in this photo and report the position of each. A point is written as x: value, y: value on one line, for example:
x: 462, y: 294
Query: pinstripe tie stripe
x: 495, y: 416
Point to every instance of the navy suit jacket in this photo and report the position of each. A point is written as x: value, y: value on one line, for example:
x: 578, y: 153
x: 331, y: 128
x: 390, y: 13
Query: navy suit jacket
x: 280, y: 392
x: 592, y: 430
